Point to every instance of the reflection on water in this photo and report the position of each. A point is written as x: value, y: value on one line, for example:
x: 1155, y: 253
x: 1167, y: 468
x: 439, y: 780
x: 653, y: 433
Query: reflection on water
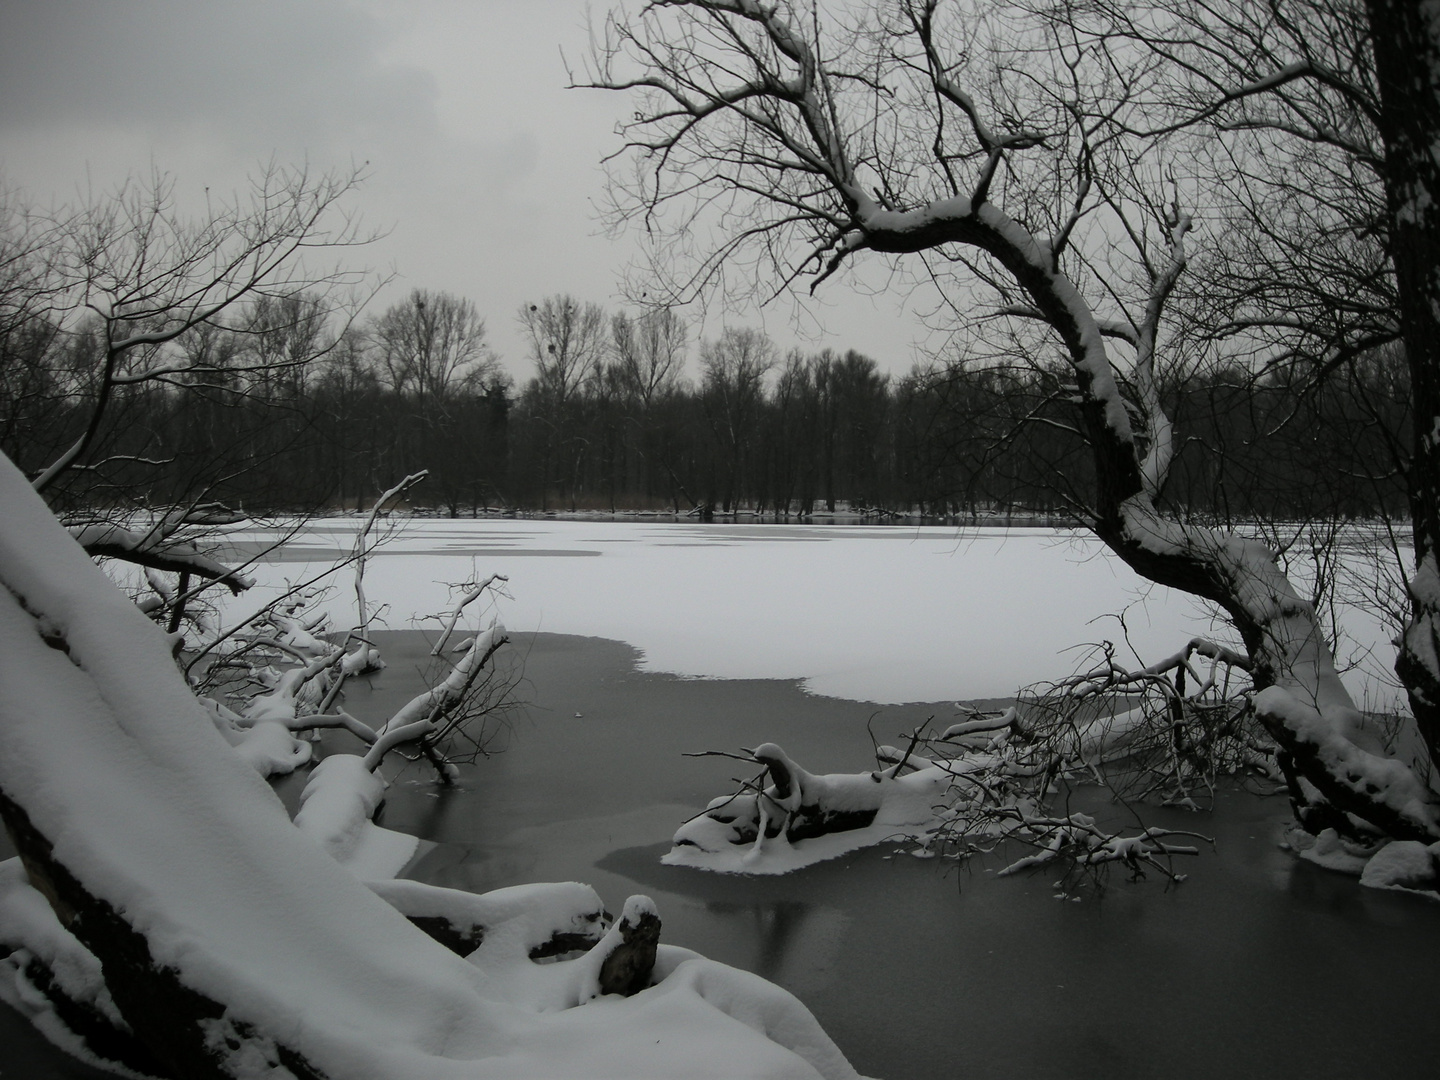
x: 796, y: 942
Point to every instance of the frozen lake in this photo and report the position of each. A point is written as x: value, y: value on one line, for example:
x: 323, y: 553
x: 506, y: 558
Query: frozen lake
x: 1259, y: 965
x: 869, y: 613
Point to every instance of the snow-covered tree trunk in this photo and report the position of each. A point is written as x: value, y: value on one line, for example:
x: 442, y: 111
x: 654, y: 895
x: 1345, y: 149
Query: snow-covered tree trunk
x: 1406, y: 37
x: 763, y: 102
x: 1304, y: 704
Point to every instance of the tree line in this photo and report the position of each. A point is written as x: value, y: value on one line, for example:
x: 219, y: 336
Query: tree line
x: 293, y: 404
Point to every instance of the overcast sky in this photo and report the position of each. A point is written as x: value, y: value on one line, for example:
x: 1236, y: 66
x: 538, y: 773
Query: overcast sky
x: 483, y: 168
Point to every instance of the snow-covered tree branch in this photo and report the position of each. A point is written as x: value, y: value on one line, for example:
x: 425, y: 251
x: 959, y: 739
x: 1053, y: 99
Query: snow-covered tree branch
x: 157, y: 551
x: 830, y: 137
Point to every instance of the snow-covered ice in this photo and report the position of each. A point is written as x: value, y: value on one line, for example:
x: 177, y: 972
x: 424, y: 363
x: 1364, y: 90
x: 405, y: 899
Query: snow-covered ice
x: 884, y: 614
x: 881, y: 614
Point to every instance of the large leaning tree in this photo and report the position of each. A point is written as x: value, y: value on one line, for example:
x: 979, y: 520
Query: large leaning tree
x: 1000, y: 151
x: 1315, y: 123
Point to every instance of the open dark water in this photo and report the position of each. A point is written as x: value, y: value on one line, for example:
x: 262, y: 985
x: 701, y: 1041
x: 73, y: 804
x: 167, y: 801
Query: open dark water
x: 1259, y: 965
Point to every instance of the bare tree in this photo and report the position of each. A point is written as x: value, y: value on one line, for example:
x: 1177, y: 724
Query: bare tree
x: 646, y: 370
x: 432, y: 344
x: 126, y: 310
x: 995, y: 150
x: 280, y: 337
x: 149, y: 275
x: 568, y: 344
x: 430, y: 351
x: 1277, y: 114
x: 1323, y: 110
x: 732, y: 383
x: 650, y: 350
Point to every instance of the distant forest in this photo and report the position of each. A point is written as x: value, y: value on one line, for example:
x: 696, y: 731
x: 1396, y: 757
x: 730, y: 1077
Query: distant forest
x: 277, y: 410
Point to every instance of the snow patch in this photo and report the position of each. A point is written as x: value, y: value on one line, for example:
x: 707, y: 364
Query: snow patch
x: 1406, y: 866
x: 1331, y: 851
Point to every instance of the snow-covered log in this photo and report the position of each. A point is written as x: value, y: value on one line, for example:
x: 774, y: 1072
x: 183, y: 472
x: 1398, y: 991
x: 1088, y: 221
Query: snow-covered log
x: 801, y: 817
x: 450, y: 690
x: 1007, y: 720
x: 546, y: 919
x: 432, y: 715
x: 292, y: 690
x: 299, y: 634
x: 336, y: 809
x: 990, y: 778
x: 230, y: 944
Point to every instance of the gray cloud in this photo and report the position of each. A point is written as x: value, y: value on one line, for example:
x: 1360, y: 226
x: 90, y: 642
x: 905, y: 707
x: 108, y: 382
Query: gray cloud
x: 262, y: 75
x: 482, y: 167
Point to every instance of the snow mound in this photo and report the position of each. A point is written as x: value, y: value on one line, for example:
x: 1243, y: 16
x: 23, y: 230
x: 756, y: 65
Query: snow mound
x: 1406, y: 866
x: 270, y: 748
x: 336, y: 806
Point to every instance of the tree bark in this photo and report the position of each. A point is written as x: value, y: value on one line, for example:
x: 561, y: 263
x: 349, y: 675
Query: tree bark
x: 169, y: 1020
x: 1406, y: 37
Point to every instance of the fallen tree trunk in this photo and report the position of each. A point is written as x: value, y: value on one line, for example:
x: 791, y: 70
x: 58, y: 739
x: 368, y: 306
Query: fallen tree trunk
x: 177, y: 1026
x: 232, y: 944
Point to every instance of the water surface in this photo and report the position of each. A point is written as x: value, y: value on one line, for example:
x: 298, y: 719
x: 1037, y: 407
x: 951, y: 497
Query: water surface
x: 1258, y: 965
